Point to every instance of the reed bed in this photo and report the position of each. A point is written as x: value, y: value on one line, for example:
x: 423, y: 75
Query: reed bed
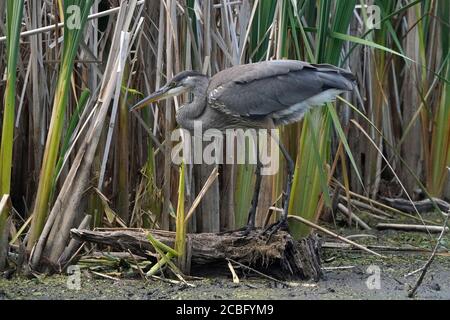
x: 70, y: 148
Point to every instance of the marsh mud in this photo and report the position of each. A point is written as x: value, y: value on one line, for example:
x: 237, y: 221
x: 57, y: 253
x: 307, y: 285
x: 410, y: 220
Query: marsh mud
x: 347, y: 275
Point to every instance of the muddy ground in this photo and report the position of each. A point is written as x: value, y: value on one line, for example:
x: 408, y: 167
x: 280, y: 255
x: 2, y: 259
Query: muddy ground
x: 337, y: 283
x: 346, y: 276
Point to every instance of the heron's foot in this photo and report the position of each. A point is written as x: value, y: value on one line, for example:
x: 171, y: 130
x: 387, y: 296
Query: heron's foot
x: 275, y: 227
x: 241, y: 232
x: 231, y: 231
x: 247, y: 230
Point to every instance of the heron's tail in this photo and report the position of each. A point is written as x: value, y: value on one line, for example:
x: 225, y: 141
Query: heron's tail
x: 336, y: 78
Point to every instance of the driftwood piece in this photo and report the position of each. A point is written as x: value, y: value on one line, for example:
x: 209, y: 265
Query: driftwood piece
x: 421, y: 206
x: 281, y: 256
x: 410, y: 227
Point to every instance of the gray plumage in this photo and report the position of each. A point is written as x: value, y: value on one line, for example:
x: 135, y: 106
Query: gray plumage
x: 249, y: 95
x: 279, y: 89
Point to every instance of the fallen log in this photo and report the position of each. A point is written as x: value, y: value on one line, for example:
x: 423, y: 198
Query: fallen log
x: 425, y: 205
x: 410, y: 227
x: 282, y: 256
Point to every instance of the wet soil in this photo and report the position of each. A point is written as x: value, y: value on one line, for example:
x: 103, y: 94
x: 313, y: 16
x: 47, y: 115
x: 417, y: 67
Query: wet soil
x: 348, y: 274
x: 351, y: 283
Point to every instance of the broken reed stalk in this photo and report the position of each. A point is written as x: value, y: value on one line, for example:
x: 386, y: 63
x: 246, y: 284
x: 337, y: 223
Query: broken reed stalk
x: 181, y: 225
x: 181, y: 222
x: 5, y: 207
x: 214, y: 174
x: 346, y: 246
x: 366, y: 206
x: 412, y: 292
x: 20, y: 231
x: 61, y: 24
x: 330, y: 233
x: 161, y: 246
x: 411, y: 227
x: 374, y: 203
x: 353, y: 216
x: 165, y: 259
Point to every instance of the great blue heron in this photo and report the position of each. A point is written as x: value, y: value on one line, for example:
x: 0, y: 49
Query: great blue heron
x: 258, y: 95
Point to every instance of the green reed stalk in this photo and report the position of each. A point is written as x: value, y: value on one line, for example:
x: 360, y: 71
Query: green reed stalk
x: 76, y: 12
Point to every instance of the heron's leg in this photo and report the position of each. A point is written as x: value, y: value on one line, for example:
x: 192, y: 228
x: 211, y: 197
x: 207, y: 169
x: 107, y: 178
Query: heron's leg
x: 290, y: 178
x: 282, y: 223
x: 252, y: 212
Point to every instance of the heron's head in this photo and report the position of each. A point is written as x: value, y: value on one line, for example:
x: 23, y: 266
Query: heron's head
x: 183, y: 82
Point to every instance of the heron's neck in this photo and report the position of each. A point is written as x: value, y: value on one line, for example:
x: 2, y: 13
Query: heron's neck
x: 192, y: 111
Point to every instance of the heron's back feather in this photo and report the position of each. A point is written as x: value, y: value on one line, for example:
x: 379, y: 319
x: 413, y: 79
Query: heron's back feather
x: 281, y: 89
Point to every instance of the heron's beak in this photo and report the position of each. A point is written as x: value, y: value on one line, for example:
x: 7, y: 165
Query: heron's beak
x: 163, y: 93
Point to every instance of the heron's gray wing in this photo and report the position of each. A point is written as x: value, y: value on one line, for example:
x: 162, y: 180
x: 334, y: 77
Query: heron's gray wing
x: 264, y: 88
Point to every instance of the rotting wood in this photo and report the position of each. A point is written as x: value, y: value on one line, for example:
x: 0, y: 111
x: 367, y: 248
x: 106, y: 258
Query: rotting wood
x: 281, y: 256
